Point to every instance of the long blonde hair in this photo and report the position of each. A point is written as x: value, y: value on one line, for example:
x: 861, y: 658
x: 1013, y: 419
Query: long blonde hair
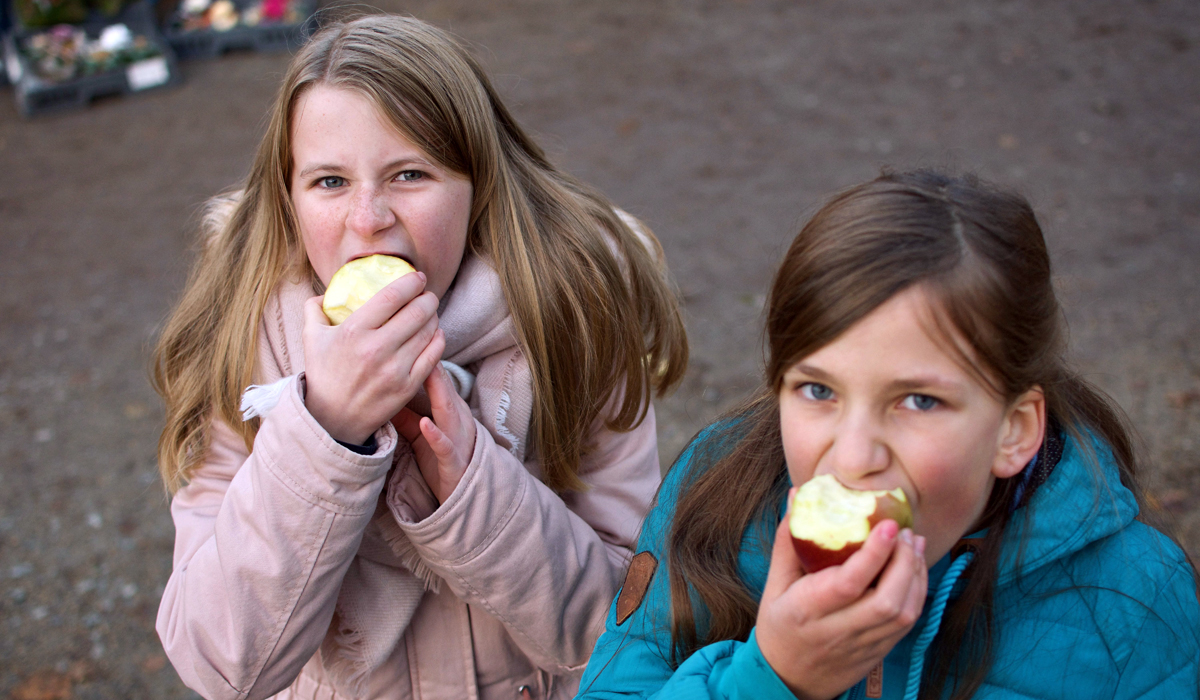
x: 593, y: 308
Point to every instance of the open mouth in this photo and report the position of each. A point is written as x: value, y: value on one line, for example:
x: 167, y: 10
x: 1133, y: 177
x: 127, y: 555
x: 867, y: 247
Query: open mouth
x: 405, y: 258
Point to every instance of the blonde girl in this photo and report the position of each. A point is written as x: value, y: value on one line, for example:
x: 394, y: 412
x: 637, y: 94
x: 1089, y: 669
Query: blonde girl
x: 915, y: 342
x: 434, y: 499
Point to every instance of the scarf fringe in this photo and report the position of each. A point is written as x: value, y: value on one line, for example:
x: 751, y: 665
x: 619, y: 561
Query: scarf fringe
x: 403, y: 548
x: 343, y: 655
x: 502, y: 407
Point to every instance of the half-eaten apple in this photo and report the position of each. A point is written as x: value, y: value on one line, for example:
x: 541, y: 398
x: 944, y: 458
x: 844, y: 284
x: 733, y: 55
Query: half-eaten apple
x: 829, y: 521
x: 359, y: 280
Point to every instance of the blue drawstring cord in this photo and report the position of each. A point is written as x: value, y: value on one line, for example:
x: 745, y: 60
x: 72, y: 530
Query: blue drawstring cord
x: 921, y: 645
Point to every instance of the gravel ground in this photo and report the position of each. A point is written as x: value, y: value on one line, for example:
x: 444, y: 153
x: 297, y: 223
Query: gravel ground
x: 720, y: 124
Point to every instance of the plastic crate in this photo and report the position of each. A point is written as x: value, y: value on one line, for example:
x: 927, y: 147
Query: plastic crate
x: 267, y: 36
x: 36, y: 95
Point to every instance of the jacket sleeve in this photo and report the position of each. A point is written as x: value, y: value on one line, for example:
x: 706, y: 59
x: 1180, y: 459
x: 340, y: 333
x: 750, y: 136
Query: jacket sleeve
x: 262, y: 542
x: 632, y: 658
x: 1165, y: 658
x: 544, y: 567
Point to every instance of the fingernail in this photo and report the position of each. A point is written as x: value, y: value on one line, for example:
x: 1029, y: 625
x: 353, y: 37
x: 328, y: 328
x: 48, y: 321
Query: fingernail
x: 919, y: 547
x: 422, y: 276
x: 906, y: 536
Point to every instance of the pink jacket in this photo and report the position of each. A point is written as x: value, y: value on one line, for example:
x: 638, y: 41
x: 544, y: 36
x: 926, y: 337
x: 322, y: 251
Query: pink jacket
x: 264, y: 540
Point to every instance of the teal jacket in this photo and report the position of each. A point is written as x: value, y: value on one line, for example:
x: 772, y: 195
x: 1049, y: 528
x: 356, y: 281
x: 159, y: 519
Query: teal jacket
x: 1098, y: 605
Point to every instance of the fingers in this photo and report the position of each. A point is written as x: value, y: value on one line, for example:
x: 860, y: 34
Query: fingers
x: 450, y: 439
x: 902, y: 584
x: 864, y: 565
x: 377, y: 310
x: 842, y: 586
x: 893, y: 606
x: 444, y: 400
x: 442, y: 446
x: 427, y: 366
x: 408, y: 424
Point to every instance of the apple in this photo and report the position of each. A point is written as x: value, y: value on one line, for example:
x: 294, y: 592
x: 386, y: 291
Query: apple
x: 359, y: 280
x: 829, y: 521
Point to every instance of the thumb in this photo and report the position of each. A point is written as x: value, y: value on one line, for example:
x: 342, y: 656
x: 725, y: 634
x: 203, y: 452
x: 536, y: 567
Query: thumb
x: 314, y: 314
x: 785, y: 565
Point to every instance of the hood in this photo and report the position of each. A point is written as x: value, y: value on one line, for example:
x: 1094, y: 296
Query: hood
x: 1081, y: 502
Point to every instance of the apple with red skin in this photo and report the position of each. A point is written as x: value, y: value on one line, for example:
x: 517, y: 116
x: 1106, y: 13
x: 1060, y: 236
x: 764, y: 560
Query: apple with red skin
x: 359, y: 280
x: 829, y: 521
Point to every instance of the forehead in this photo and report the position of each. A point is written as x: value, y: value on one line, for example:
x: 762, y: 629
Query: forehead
x: 328, y: 106
x: 910, y: 332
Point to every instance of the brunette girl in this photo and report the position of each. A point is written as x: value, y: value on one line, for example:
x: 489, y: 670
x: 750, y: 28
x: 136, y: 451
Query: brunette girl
x: 915, y: 341
x: 371, y: 526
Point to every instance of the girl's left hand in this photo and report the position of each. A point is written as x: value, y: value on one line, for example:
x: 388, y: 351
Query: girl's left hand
x: 443, y: 445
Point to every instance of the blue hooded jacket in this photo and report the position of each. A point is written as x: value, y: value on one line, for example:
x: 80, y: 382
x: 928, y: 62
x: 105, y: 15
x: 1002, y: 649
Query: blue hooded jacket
x: 1094, y: 604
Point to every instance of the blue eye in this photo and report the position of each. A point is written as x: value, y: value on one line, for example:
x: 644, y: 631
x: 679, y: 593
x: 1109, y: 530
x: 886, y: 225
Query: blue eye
x: 410, y: 175
x: 919, y: 402
x: 332, y: 182
x: 815, y: 391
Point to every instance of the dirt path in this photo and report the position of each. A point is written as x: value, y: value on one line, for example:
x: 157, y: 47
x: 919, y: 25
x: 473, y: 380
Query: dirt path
x: 720, y: 124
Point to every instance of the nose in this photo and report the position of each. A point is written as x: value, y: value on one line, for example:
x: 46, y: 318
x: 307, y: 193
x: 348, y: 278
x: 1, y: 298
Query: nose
x: 369, y: 212
x: 859, y: 449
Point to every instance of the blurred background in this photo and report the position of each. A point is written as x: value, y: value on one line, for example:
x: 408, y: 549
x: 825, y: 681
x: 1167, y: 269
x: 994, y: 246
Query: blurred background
x: 720, y: 124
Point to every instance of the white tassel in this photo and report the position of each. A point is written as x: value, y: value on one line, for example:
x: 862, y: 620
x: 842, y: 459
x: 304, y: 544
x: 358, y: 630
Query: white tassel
x: 259, y: 399
x: 502, y: 407
x: 462, y: 379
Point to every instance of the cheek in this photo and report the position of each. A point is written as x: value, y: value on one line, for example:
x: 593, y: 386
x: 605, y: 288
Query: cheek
x: 442, y: 238
x: 320, y: 229
x: 953, y: 483
x: 800, y: 445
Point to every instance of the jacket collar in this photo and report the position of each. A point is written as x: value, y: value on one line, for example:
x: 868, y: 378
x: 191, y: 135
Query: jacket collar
x: 1081, y: 502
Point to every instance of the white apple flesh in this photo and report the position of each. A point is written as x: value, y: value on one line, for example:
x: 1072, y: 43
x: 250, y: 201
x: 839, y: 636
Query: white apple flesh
x: 359, y: 280
x: 829, y: 521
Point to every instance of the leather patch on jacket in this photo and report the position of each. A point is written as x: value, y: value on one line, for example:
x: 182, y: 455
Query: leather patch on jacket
x: 637, y: 582
x: 875, y: 681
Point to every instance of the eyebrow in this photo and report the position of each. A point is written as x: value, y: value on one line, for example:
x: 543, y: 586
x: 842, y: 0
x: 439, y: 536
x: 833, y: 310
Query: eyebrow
x: 920, y: 381
x: 399, y: 162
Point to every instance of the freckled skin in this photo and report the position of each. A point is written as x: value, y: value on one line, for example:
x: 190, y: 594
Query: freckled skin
x: 360, y: 187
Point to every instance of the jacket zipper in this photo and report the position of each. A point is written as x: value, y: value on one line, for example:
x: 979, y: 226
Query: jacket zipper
x: 858, y: 692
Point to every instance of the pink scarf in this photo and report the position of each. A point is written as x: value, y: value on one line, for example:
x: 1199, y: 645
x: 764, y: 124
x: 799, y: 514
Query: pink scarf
x: 387, y: 579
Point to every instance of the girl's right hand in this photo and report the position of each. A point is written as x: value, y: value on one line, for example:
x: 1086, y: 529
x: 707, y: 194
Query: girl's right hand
x: 822, y: 633
x: 361, y: 373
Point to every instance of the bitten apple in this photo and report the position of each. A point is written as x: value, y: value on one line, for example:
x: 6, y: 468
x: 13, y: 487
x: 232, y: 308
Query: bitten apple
x: 829, y: 521
x: 359, y: 280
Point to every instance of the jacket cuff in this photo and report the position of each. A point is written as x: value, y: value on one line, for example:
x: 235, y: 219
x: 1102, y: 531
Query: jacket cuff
x: 750, y: 676
x: 315, y: 466
x: 486, y: 497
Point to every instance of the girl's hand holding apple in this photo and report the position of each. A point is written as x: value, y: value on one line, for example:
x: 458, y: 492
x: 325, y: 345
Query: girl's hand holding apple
x: 363, y: 371
x: 823, y: 632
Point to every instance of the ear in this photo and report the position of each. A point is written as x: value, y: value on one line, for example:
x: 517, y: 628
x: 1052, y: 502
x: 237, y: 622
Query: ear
x: 1021, y: 433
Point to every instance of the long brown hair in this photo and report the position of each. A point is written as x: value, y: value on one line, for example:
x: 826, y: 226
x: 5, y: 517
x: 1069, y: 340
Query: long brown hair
x: 593, y: 308
x: 980, y: 253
